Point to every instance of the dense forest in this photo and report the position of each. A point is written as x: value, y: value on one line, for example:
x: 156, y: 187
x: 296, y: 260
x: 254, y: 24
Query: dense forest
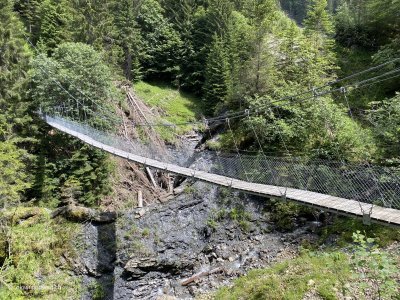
x: 229, y: 54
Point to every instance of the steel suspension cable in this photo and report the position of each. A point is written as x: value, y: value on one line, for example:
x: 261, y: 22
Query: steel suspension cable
x: 262, y: 150
x: 216, y: 153
x: 376, y: 180
x: 292, y: 99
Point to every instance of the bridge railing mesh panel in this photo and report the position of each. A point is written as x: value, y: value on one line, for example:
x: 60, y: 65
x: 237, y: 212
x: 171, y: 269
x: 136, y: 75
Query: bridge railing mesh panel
x: 368, y: 184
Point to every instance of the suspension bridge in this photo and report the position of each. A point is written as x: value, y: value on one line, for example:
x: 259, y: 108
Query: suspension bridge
x: 371, y: 193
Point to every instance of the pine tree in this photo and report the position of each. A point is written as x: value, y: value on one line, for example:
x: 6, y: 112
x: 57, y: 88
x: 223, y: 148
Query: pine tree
x: 240, y: 37
x: 92, y: 22
x: 54, y: 19
x: 318, y: 18
x: 162, y: 44
x: 79, y: 70
x: 216, y: 76
x: 29, y: 11
x: 14, y: 60
x: 46, y: 21
x: 128, y: 37
x: 319, y: 29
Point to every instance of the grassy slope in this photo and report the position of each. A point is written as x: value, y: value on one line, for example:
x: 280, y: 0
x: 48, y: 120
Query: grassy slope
x: 328, y: 274
x: 34, y: 269
x: 176, y: 106
x: 324, y: 274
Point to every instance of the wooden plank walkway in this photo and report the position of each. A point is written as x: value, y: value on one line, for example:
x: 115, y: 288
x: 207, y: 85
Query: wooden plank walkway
x: 386, y: 216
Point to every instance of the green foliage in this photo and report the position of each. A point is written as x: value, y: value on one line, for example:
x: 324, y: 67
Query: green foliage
x: 35, y: 247
x: 46, y: 20
x: 81, y: 174
x: 216, y: 85
x: 97, y: 291
x: 15, y: 124
x: 369, y: 24
x: 344, y: 228
x: 319, y: 29
x: 385, y: 117
x: 13, y: 174
x: 325, y: 274
x: 317, y: 128
x: 92, y: 23
x: 239, y: 46
x: 145, y: 232
x: 161, y: 41
x: 329, y: 275
x: 285, y: 214
x: 53, y: 18
x: 76, y: 77
x: 350, y: 24
x: 129, y: 37
x: 232, y: 210
x: 70, y: 170
x: 375, y: 268
x: 318, y: 18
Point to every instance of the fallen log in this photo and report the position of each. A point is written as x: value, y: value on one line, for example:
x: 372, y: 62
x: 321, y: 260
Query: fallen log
x: 83, y: 214
x: 199, y: 275
x: 151, y: 177
x: 140, y: 199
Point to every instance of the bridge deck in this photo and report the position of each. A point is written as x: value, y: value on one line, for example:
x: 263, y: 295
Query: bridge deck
x: 326, y: 202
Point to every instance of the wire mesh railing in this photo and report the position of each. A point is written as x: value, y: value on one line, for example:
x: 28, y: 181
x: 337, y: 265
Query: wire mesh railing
x: 368, y: 184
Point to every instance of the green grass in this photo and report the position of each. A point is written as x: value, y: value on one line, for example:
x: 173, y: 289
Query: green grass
x: 176, y: 106
x: 325, y: 274
x: 344, y: 227
x: 34, y: 269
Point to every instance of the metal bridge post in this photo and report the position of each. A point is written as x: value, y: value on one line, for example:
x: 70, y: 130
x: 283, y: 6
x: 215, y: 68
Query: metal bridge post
x: 367, y: 219
x: 283, y: 195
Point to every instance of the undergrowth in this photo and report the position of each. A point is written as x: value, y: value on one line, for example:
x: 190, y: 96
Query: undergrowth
x: 324, y: 273
x: 365, y: 272
x: 343, y: 228
x: 31, y: 266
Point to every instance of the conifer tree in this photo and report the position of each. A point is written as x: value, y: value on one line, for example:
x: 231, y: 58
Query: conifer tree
x: 216, y: 76
x: 318, y: 18
x: 78, y: 69
x: 240, y: 37
x: 14, y: 59
x: 319, y: 29
x: 162, y: 44
x: 128, y: 37
x: 29, y: 11
x: 92, y: 22
x: 54, y: 19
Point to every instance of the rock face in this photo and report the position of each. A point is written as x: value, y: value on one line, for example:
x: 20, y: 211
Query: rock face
x: 191, y: 245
